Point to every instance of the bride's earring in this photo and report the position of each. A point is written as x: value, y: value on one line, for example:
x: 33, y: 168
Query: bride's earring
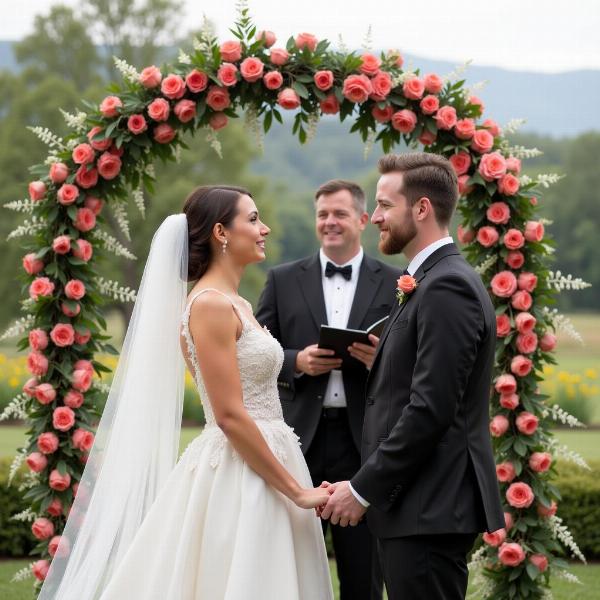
x: 224, y: 246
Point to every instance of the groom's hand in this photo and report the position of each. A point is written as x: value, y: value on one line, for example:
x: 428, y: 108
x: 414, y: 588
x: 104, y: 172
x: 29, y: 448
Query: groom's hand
x: 365, y: 352
x: 343, y: 508
x: 316, y: 361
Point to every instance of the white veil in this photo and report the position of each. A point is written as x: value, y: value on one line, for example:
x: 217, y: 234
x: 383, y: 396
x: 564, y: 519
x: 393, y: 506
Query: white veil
x: 137, y: 439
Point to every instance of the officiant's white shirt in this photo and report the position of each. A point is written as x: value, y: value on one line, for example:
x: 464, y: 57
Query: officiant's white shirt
x: 412, y: 268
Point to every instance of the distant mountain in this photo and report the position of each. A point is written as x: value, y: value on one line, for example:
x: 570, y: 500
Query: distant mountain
x: 558, y: 104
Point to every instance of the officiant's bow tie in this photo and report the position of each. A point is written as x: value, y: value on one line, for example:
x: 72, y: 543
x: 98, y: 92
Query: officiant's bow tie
x: 345, y: 272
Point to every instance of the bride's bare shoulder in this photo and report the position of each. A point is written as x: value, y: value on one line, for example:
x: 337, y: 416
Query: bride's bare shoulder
x: 213, y: 312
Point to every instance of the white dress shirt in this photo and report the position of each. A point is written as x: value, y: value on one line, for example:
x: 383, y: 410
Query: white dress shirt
x: 339, y: 296
x: 412, y: 268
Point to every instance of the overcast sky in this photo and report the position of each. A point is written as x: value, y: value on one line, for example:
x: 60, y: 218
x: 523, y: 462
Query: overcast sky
x: 540, y: 35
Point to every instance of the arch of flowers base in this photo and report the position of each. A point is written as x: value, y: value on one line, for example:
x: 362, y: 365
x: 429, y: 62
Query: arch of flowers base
x: 108, y: 157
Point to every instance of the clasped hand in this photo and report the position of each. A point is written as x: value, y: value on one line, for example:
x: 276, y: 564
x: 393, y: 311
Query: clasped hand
x: 342, y: 508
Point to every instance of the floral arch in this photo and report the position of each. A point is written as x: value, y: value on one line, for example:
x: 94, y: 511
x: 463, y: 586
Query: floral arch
x: 108, y: 157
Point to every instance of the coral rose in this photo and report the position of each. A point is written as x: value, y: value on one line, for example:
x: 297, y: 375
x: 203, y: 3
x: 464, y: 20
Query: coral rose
x: 150, y: 77
x: 404, y: 120
x: 504, y: 284
x: 519, y: 495
x: 527, y: 423
x: 357, y: 88
x: 511, y: 554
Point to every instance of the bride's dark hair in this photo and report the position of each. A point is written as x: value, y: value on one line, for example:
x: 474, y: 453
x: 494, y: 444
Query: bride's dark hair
x: 204, y: 208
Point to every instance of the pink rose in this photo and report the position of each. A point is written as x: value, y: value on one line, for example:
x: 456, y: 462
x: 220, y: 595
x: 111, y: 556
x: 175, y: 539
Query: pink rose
x: 534, y: 231
x: 460, y: 162
x: 40, y: 569
x: 487, y: 236
x: 382, y: 115
x: 475, y: 101
x: 63, y: 418
x: 429, y: 104
x: 268, y: 38
x: 45, y: 393
x: 38, y: 339
x: 273, y: 80
x: 58, y: 172
x: 492, y: 127
x: 37, y: 462
x: 427, y: 138
x: 29, y: 386
x: 508, y: 521
x: 323, y: 80
x: 73, y: 399
x: 42, y: 528
x: 520, y: 365
x: 56, y: 508
x: 382, y: 86
x: 505, y: 384
x: 498, y: 213
x: 511, y: 555
x: 53, y: 546
x: 173, y: 87
x: 433, y: 83
x: 85, y: 219
x: 101, y: 145
x: 47, y: 442
x: 527, y: 423
x: 252, y: 69
x: 150, y: 77
x: 404, y: 120
x: 513, y: 164
x: 446, y: 117
x: 519, y: 495
x: 67, y: 194
x: 231, y: 51
x: 509, y: 401
x: 227, y: 74
x: 492, y: 166
x: 465, y: 129
x: 540, y: 461
x: 505, y: 472
x: 61, y: 244
x: 288, y: 99
x: 413, y: 88
x: 370, y: 64
x: 94, y: 204
x: 37, y: 363
x: 137, y: 124
x: 330, y: 106
x: 84, y: 365
x: 83, y: 154
x: 185, y: 110
x: 527, y: 281
x: 483, y: 141
x: 306, y: 40
x: 279, y: 56
x: 407, y: 284
x: 218, y: 121
x: 547, y: 511
x: 508, y: 185
x: 499, y: 425
x: 515, y: 259
x: 548, y: 342
x: 521, y: 300
x: 357, y: 88
x: 110, y: 106
x: 41, y: 286
x: 69, y: 311
x: 37, y: 190
x: 502, y: 325
x: 196, y: 81
x: 527, y: 343
x: 525, y: 322
x: 217, y: 98
x: 85, y: 177
x: 83, y: 440
x: 31, y: 264
x: 82, y: 380
x: 159, y: 109
x: 504, y: 284
x: 83, y: 250
x: 164, y: 133
x: 74, y: 290
x: 540, y: 561
x: 495, y: 538
x: 513, y: 239
x: 63, y: 334
x: 109, y: 165
x: 82, y: 336
x: 59, y: 482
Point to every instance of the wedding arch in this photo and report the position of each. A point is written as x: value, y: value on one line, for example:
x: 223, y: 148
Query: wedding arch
x: 109, y: 158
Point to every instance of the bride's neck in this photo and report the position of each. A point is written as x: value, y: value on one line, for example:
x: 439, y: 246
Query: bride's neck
x: 224, y: 276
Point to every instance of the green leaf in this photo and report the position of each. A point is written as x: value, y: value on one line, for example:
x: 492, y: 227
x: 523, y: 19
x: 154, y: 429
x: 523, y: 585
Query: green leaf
x: 532, y: 571
x: 300, y: 89
x: 268, y: 120
x: 62, y: 467
x: 519, y: 447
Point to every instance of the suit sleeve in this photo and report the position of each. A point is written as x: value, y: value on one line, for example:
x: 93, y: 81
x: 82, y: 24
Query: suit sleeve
x: 450, y: 327
x: 267, y: 314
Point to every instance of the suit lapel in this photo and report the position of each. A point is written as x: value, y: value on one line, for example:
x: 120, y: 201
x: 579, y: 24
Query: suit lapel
x: 310, y: 279
x: 367, y: 286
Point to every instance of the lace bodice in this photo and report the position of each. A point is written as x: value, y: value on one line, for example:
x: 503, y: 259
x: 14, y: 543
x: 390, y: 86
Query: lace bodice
x: 259, y: 357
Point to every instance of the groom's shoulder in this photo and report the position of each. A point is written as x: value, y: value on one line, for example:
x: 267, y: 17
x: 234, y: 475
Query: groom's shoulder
x: 292, y: 267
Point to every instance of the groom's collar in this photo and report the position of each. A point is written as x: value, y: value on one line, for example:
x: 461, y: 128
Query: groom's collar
x: 435, y: 257
x: 424, y: 254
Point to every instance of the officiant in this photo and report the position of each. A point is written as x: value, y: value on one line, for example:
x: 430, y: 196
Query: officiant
x: 323, y: 396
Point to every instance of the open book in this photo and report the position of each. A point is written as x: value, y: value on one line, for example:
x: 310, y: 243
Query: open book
x: 335, y: 338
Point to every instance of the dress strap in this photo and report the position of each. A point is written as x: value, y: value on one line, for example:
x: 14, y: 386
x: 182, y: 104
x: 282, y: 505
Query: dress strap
x: 237, y: 311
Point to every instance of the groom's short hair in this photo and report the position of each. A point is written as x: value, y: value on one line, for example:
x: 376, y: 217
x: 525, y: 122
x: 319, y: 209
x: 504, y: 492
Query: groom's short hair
x: 425, y: 174
x: 336, y: 185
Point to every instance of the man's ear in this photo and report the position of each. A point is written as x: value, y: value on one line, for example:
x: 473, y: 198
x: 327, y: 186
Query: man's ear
x: 424, y: 208
x: 364, y: 219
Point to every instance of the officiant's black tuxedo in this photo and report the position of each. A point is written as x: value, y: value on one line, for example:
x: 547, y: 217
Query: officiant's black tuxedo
x: 292, y: 306
x: 427, y: 463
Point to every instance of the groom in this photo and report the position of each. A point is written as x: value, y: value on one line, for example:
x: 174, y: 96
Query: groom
x: 428, y: 478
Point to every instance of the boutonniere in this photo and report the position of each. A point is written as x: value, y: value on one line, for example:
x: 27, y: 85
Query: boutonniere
x: 407, y: 284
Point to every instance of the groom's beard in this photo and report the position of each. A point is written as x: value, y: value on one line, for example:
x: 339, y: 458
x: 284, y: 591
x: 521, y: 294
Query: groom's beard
x: 399, y: 235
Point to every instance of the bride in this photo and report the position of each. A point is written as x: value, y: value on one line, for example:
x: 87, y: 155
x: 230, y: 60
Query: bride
x: 231, y: 520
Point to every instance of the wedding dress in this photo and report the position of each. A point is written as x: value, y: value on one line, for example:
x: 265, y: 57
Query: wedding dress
x: 217, y: 530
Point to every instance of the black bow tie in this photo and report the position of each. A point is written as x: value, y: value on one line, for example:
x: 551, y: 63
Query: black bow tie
x: 345, y: 272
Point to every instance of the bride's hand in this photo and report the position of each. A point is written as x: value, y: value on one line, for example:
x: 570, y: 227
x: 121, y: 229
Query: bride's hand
x: 312, y: 497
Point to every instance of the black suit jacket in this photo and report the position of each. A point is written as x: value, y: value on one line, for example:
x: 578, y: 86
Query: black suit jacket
x: 428, y: 466
x: 292, y: 306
